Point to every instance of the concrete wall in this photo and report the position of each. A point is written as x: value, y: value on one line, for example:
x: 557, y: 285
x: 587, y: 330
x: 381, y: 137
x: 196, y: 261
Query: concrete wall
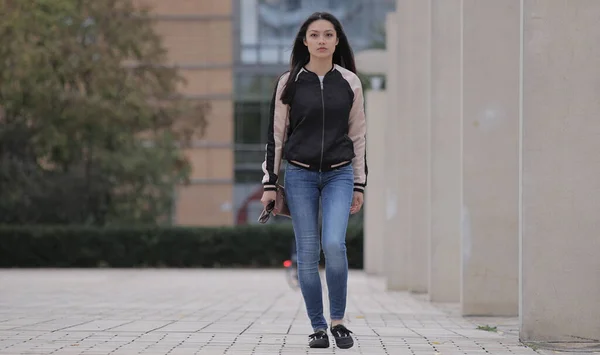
x: 374, y: 215
x: 492, y: 139
x: 490, y: 157
x: 444, y: 277
x: 396, y: 208
x: 560, y: 273
x: 419, y: 45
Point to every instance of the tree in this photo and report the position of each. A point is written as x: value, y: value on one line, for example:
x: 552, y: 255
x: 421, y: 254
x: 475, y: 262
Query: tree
x: 91, y: 121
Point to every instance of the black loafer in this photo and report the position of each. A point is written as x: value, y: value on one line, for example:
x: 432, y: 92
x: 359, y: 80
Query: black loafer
x: 319, y: 339
x: 342, y: 336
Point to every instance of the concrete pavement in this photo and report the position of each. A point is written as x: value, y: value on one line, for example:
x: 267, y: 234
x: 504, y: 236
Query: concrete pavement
x: 170, y: 311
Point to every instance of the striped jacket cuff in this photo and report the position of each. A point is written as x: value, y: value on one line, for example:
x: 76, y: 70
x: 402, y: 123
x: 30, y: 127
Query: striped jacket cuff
x: 270, y: 187
x: 359, y: 187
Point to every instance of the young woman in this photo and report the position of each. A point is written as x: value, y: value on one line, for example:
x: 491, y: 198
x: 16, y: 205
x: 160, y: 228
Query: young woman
x: 318, y: 125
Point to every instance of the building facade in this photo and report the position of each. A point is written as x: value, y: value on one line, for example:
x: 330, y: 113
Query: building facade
x: 199, y: 38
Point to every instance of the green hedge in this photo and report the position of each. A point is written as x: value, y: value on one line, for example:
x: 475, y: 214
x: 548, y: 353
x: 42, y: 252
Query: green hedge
x: 68, y: 246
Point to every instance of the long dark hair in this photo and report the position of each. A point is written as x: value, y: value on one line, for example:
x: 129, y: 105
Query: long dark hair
x: 342, y: 56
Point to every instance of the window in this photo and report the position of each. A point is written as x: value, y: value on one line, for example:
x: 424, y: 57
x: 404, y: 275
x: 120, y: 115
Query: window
x: 268, y: 27
x: 253, y: 94
x: 248, y: 125
x: 292, y: 5
x: 250, y: 86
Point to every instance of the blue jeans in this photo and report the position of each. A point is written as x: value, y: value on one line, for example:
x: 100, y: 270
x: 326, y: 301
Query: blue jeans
x: 303, y: 190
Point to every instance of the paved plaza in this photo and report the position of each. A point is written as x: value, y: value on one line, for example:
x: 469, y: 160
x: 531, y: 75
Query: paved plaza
x: 188, y: 311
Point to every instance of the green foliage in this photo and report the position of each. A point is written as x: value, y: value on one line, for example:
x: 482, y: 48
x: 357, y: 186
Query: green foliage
x: 90, y: 114
x: 487, y: 328
x: 69, y: 246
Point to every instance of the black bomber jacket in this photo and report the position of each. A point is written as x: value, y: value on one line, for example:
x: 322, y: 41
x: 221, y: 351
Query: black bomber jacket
x: 322, y: 129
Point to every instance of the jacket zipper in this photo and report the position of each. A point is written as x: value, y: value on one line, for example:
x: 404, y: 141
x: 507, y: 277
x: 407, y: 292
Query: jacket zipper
x: 323, y: 134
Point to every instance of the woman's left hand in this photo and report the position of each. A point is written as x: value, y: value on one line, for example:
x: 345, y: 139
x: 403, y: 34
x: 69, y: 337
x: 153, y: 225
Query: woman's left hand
x: 357, y: 202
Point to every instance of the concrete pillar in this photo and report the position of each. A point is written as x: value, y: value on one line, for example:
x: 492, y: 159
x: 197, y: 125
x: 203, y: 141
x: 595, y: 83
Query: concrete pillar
x: 419, y: 46
x: 374, y: 205
x: 444, y: 277
x: 490, y: 157
x: 560, y: 243
x: 396, y: 157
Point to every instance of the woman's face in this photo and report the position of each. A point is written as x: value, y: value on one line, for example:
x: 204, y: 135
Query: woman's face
x: 321, y: 39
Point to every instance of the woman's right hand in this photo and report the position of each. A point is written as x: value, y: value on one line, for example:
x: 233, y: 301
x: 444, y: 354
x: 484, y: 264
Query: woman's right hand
x: 268, y: 197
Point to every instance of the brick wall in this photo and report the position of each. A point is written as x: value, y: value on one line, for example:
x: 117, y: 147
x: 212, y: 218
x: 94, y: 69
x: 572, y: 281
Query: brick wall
x: 199, y: 37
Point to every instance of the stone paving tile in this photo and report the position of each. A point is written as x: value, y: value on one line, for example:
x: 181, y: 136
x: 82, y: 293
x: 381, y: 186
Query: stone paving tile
x: 176, y: 312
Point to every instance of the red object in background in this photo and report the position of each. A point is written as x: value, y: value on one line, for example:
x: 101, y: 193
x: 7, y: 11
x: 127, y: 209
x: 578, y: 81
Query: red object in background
x: 287, y: 263
x: 242, y: 212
